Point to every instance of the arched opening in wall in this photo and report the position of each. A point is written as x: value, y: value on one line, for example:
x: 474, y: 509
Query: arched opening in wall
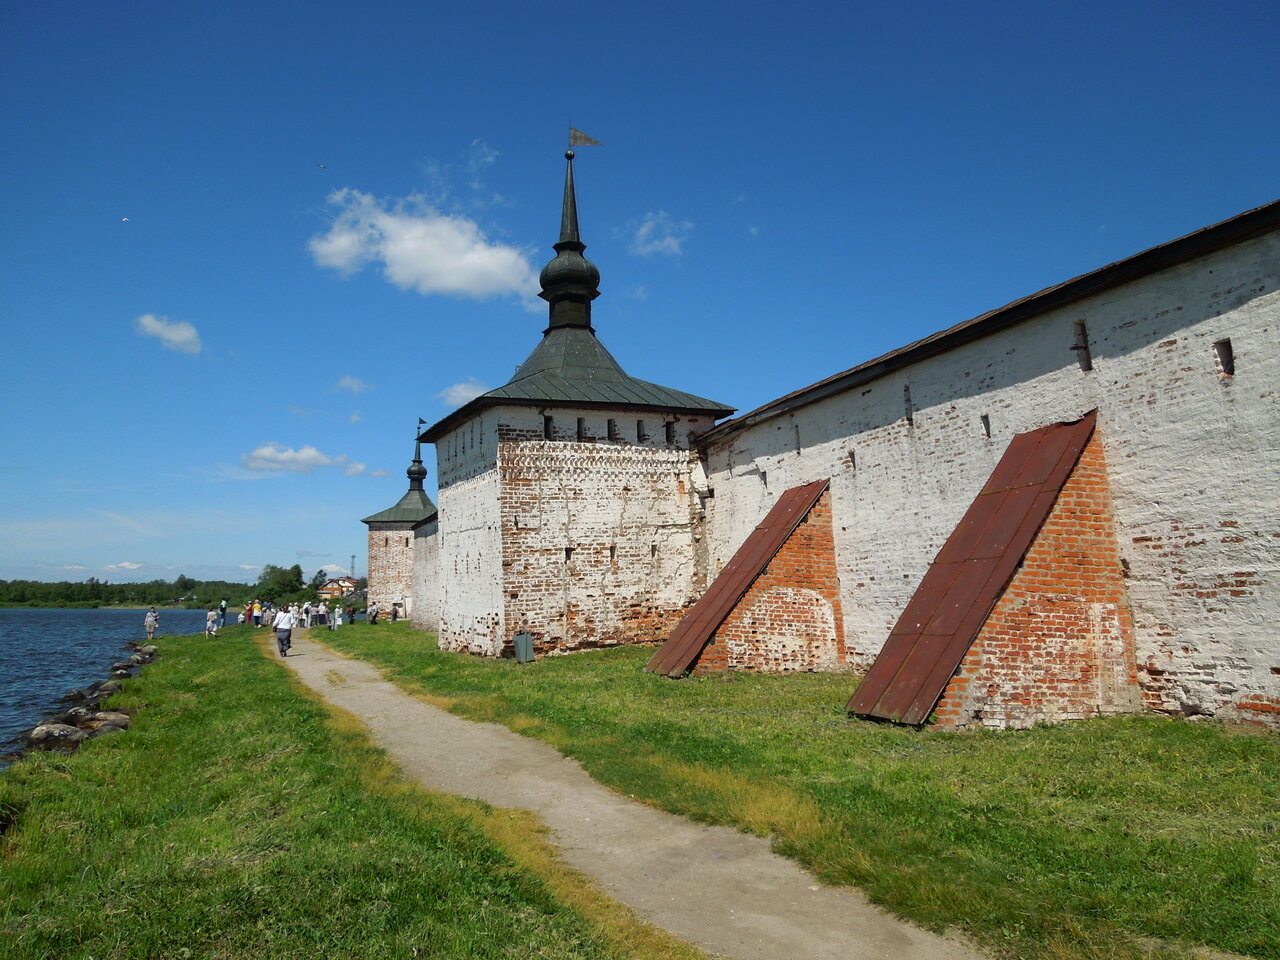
x: 670, y: 429
x: 641, y: 433
x: 548, y: 427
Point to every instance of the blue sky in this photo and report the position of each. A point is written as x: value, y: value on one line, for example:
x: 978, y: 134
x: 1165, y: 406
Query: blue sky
x: 247, y: 245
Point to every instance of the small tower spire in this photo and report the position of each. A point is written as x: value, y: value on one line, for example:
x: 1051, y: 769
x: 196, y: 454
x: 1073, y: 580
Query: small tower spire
x: 570, y: 280
x: 416, y: 472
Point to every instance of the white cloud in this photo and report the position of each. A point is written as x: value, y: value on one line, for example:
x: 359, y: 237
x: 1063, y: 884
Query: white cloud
x: 754, y: 231
x: 249, y: 566
x: 333, y: 568
x: 122, y: 565
x: 460, y: 393
x: 657, y: 232
x: 421, y: 248
x: 379, y: 473
x: 274, y: 457
x: 354, y: 384
x: 174, y: 334
x: 355, y: 417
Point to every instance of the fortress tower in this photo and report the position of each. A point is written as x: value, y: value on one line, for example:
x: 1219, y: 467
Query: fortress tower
x: 570, y: 501
x: 392, y: 538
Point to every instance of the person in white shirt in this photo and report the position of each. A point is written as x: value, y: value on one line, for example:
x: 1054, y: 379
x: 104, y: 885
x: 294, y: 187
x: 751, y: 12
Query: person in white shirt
x: 283, y: 625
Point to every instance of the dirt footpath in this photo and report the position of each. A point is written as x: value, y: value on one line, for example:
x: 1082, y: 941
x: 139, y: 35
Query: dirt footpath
x: 722, y: 890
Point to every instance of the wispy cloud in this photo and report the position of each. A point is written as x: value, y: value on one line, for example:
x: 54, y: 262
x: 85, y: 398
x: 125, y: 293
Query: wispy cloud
x: 122, y: 565
x: 298, y: 411
x: 379, y: 473
x: 658, y: 233
x: 274, y: 457
x: 353, y: 384
x: 250, y: 566
x: 355, y: 417
x: 421, y: 248
x: 460, y: 393
x: 175, y: 334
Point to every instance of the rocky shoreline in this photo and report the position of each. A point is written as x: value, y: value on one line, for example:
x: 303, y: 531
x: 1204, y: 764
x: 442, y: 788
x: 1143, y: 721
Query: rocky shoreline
x: 85, y: 719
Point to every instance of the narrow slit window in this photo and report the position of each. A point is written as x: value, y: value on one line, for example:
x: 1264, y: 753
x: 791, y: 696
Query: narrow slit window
x: 653, y: 550
x: 641, y: 433
x: 613, y: 430
x: 853, y: 460
x: 670, y: 428
x: 1084, y: 356
x: 386, y: 541
x: 568, y: 554
x: 613, y: 553
x: 986, y: 426
x: 582, y: 428
x: 1225, y: 358
x: 406, y: 541
x: 548, y: 427
x: 909, y: 408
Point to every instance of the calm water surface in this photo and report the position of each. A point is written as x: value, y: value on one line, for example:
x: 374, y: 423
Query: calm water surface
x: 45, y: 653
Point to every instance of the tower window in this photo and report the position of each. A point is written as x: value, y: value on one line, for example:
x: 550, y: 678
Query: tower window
x: 582, y: 428
x: 406, y: 541
x: 548, y: 427
x: 1225, y: 358
x: 1084, y: 356
x: 670, y: 429
x: 613, y: 430
x: 641, y: 433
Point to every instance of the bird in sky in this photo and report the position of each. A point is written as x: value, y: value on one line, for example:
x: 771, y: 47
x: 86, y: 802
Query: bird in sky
x: 322, y: 166
x: 124, y: 219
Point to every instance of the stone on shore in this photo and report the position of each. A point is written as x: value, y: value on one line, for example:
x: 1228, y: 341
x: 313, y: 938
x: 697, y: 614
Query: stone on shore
x: 49, y: 736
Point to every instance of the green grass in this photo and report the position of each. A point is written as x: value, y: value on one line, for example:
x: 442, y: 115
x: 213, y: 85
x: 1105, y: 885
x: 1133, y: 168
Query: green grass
x: 1120, y: 837
x: 239, y: 818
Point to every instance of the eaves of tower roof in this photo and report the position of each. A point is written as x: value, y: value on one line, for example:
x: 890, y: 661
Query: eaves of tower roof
x: 414, y: 507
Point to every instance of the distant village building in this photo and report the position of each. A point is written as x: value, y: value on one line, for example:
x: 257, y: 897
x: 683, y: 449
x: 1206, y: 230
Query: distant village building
x: 337, y: 587
x: 1065, y: 507
x: 391, y: 538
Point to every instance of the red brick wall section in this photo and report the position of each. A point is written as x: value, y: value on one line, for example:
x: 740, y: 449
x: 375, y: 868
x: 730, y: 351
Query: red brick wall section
x: 789, y: 620
x: 1058, y: 644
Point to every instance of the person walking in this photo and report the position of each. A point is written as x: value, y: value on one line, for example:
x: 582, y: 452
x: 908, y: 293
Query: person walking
x: 284, y: 624
x: 222, y: 613
x: 257, y: 614
x: 336, y: 622
x: 371, y: 614
x: 211, y: 623
x: 151, y: 621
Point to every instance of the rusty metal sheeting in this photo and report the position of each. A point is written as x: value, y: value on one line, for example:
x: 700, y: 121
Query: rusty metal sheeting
x: 693, y: 632
x: 970, y: 573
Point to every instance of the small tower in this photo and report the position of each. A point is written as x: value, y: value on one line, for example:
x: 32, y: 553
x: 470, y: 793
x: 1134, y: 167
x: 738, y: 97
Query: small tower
x: 392, y: 536
x: 569, y: 496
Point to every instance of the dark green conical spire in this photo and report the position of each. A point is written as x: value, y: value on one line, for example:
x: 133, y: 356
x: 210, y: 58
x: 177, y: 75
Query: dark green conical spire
x: 570, y: 280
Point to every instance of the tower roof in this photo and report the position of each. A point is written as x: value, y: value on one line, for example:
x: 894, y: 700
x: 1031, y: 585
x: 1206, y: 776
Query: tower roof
x: 415, y: 506
x: 570, y: 366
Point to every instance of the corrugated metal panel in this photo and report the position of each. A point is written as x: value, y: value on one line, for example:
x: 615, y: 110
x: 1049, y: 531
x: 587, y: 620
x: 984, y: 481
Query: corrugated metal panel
x: 970, y: 572
x: 693, y: 632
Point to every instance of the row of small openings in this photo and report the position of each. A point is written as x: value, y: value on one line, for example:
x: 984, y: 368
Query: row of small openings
x: 613, y: 552
x: 642, y: 433
x: 985, y: 420
x: 386, y: 541
x: 1224, y: 357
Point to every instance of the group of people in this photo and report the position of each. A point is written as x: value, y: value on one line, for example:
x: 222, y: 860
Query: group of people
x: 283, y: 621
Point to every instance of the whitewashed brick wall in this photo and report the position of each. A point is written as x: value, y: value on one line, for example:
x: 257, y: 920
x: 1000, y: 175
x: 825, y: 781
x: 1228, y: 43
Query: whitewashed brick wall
x: 390, y: 564
x: 1194, y: 463
x: 425, y: 611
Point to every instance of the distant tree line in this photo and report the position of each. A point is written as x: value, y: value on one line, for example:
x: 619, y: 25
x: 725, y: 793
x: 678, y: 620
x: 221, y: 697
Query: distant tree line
x: 279, y: 584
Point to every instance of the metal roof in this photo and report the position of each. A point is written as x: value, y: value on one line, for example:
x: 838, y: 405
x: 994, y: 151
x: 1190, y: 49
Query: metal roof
x: 1245, y: 226
x: 971, y: 571
x: 414, y: 507
x: 695, y: 630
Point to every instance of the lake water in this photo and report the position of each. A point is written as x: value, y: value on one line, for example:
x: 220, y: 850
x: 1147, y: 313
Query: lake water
x: 45, y: 653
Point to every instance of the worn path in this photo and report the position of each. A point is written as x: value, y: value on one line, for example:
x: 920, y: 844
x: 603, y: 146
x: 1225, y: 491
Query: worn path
x: 723, y: 890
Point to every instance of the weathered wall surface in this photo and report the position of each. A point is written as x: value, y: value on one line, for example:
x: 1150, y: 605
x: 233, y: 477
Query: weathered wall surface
x: 1058, y: 644
x: 789, y: 620
x: 390, y: 564
x: 425, y: 611
x: 469, y: 551
x: 599, y: 535
x: 1193, y: 456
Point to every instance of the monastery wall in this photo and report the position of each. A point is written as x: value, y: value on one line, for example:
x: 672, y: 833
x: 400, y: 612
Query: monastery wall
x: 599, y: 535
x: 425, y: 611
x: 1193, y: 456
x: 390, y: 564
x: 469, y: 548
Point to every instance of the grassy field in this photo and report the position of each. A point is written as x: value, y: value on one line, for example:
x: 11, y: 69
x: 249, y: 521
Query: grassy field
x: 1123, y: 837
x: 238, y: 818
